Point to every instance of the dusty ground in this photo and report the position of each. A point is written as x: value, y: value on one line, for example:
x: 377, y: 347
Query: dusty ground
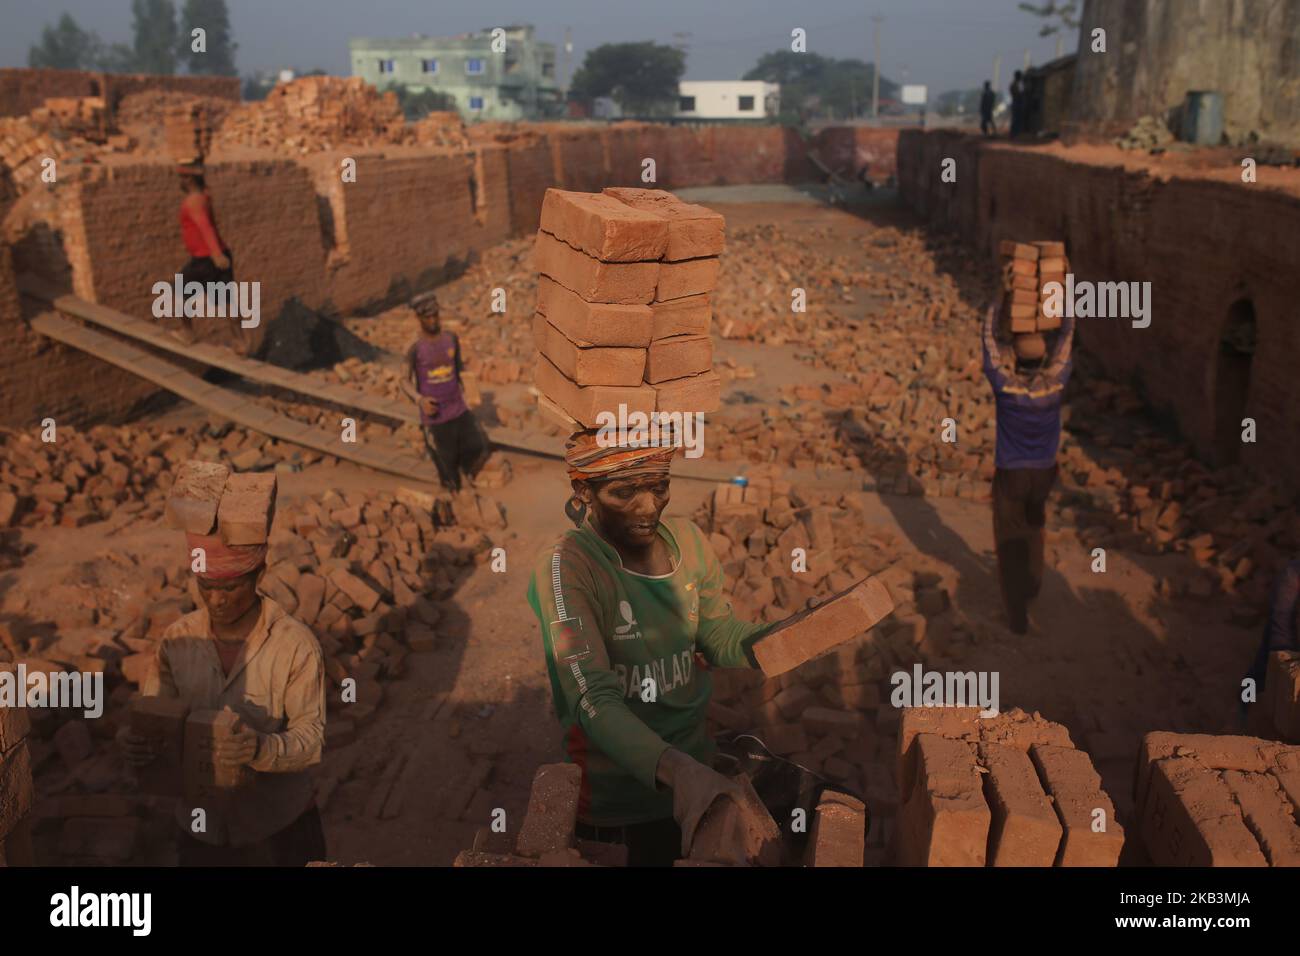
x: 468, y: 725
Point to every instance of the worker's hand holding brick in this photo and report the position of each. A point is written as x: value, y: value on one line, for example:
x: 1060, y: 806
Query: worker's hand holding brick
x: 695, y: 787
x: 134, y: 748
x: 237, y: 750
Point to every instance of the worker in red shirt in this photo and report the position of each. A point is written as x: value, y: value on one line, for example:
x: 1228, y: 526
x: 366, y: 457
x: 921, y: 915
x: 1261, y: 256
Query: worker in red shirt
x: 209, y: 255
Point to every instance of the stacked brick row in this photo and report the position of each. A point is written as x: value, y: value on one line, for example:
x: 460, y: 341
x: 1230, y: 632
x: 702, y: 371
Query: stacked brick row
x: 83, y: 115
x: 16, y: 792
x: 623, y: 303
x: 1027, y: 268
x: 187, y: 131
x: 1009, y: 790
x: 1218, y: 801
x: 317, y: 113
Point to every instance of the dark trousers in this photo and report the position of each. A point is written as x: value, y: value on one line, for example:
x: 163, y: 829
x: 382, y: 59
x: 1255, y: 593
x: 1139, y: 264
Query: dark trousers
x: 986, y: 125
x: 457, y: 447
x: 203, y: 270
x: 298, y: 844
x: 657, y: 843
x: 1019, y: 515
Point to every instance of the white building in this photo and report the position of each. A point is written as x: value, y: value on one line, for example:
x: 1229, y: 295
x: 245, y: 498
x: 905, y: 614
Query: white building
x: 728, y: 99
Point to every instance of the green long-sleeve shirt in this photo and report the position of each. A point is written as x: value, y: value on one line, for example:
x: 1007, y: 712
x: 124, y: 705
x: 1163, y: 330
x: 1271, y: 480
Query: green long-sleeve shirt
x: 620, y: 650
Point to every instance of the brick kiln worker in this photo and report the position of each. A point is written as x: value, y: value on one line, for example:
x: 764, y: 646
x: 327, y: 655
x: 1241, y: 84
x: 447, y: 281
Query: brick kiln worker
x: 455, y: 442
x: 209, y: 257
x: 242, y: 650
x: 1028, y: 398
x: 625, y: 600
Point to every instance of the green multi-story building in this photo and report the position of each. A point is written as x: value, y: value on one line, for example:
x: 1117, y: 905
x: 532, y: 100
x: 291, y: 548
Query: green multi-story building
x: 519, y: 83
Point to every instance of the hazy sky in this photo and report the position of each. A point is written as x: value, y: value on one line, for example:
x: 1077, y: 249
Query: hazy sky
x: 945, y: 44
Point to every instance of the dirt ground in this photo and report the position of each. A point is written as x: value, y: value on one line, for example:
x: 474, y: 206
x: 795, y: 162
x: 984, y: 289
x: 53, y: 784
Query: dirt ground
x: 463, y: 732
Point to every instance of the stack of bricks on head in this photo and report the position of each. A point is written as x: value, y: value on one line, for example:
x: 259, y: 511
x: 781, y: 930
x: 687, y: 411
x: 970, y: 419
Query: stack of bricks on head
x: 1026, y: 269
x: 206, y: 498
x: 623, y: 304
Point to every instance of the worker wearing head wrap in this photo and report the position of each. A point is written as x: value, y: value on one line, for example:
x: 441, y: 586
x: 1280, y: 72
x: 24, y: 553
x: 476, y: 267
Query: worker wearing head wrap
x: 625, y: 601
x: 243, y: 651
x: 1027, y: 390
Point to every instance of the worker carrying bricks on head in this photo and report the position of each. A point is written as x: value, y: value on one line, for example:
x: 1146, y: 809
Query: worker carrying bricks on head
x: 210, y: 259
x: 1027, y: 388
x: 624, y: 601
x: 451, y: 431
x: 240, y: 652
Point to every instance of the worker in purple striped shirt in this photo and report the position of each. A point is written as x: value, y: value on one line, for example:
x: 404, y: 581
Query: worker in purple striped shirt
x: 433, y: 365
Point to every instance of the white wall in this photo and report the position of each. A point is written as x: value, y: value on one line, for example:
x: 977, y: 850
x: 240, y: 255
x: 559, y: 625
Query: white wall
x: 720, y: 99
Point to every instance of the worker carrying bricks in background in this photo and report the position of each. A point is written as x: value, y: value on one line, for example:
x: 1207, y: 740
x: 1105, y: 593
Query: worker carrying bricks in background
x: 1282, y: 627
x: 1027, y: 389
x: 454, y: 438
x: 241, y: 650
x: 624, y: 601
x: 210, y: 259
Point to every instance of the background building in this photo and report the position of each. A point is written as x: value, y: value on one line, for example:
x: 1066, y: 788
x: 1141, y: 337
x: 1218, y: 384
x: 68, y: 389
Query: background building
x: 517, y: 84
x: 728, y: 99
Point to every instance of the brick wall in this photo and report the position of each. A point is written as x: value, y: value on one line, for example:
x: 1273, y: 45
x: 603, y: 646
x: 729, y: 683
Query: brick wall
x: 23, y: 90
x: 531, y: 173
x: 845, y: 149
x: 125, y: 219
x: 405, y: 220
x: 579, y: 159
x: 1203, y: 246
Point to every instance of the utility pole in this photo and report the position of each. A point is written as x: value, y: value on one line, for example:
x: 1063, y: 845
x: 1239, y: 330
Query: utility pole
x: 1026, y: 58
x: 568, y: 51
x: 875, y: 69
x: 1060, y: 45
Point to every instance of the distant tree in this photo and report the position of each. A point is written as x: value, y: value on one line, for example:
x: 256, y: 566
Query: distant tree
x: 256, y: 87
x: 641, y: 77
x: 814, y: 86
x: 65, y: 46
x: 1064, y: 12
x: 154, y: 22
x: 117, y: 58
x: 966, y: 102
x: 418, y: 104
x: 213, y: 17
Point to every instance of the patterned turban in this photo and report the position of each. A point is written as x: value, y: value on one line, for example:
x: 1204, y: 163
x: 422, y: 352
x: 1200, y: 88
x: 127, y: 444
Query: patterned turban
x: 226, y: 561
x: 588, y: 460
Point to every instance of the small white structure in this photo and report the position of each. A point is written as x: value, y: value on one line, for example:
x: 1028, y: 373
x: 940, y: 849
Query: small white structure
x: 728, y: 99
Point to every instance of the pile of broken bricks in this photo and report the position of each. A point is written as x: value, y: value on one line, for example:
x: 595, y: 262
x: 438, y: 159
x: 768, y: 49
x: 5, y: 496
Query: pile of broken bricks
x: 623, y: 308
x: 1206, y: 800
x: 17, y: 794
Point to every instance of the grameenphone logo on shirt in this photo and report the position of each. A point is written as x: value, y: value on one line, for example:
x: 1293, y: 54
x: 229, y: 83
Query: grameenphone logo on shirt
x: 627, y: 631
x: 651, y: 430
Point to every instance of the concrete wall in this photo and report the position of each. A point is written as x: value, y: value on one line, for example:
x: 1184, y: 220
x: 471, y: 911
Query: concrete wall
x: 1158, y: 50
x: 1202, y: 245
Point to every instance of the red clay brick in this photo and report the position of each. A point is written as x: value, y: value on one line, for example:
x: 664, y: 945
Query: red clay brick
x: 594, y: 323
x: 678, y: 357
x: 946, y: 821
x: 203, y: 778
x: 689, y: 315
x: 247, y: 508
x: 360, y: 593
x: 1268, y: 814
x: 1068, y: 776
x: 161, y: 721
x: 603, y: 227
x: 688, y: 277
x: 552, y: 810
x: 738, y: 832
x: 194, y: 497
x: 1190, y: 819
x: 14, y: 724
x: 839, y: 831
x: 1214, y: 752
x: 585, y: 403
x: 1024, y: 830
x: 595, y: 365
x: 784, y: 739
x: 824, y: 720
x: 693, y: 231
x: 809, y: 633
x: 955, y: 723
x: 694, y: 393
x: 627, y: 283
